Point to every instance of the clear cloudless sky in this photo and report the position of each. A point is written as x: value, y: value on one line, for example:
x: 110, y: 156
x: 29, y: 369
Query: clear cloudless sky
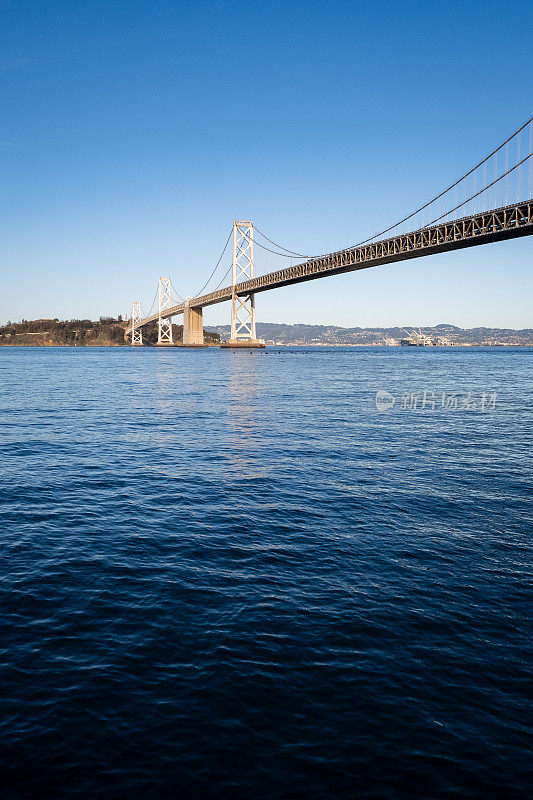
x: 134, y: 132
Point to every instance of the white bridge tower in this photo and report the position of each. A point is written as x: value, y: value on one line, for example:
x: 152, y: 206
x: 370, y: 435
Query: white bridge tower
x: 242, y: 308
x: 136, y: 316
x: 164, y: 329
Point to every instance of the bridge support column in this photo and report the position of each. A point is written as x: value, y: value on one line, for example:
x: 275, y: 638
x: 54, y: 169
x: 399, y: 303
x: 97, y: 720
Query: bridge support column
x: 243, y: 308
x: 164, y: 324
x: 136, y: 333
x: 193, y: 327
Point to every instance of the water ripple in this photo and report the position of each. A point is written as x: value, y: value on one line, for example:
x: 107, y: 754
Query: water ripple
x: 228, y: 575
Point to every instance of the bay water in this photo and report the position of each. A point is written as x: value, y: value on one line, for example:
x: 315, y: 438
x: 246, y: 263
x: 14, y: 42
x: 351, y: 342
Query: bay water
x: 237, y: 574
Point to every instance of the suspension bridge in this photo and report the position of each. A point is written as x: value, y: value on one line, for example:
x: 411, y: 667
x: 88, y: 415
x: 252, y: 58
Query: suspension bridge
x: 489, y: 203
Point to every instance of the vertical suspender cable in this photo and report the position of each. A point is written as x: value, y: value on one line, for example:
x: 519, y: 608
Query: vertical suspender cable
x: 519, y: 174
x: 530, y: 181
x: 507, y: 181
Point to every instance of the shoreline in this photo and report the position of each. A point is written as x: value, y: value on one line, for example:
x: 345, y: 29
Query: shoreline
x: 461, y: 346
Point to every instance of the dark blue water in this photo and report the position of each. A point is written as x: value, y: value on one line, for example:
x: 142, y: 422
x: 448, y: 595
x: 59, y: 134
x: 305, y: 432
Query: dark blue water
x: 226, y: 574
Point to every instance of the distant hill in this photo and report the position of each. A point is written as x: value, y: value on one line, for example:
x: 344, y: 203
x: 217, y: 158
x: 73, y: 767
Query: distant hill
x: 277, y: 333
x: 109, y: 332
x: 105, y: 332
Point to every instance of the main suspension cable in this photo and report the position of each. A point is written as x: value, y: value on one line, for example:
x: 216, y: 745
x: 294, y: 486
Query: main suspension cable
x: 503, y: 175
x: 153, y: 303
x: 441, y: 216
x: 291, y: 254
x: 452, y: 186
x: 299, y: 255
x: 283, y: 255
x: 178, y: 295
x: 224, y: 278
x: 216, y: 265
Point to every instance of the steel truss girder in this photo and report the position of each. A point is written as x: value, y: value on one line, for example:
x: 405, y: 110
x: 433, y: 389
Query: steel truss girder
x: 485, y: 227
x: 499, y: 224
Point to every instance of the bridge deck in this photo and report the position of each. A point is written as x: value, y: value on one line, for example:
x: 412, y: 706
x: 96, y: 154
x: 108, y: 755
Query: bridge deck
x: 507, y: 222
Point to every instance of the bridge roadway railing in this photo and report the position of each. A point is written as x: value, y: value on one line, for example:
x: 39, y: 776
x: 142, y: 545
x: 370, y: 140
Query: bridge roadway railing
x: 488, y: 226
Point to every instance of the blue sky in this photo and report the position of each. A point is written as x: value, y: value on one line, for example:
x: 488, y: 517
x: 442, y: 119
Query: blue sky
x: 133, y: 133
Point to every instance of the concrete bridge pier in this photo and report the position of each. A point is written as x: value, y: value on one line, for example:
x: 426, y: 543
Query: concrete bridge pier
x: 193, y: 326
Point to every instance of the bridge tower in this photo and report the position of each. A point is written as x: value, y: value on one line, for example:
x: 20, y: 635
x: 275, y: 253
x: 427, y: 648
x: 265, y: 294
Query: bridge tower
x: 243, y: 308
x: 136, y: 333
x: 164, y: 325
